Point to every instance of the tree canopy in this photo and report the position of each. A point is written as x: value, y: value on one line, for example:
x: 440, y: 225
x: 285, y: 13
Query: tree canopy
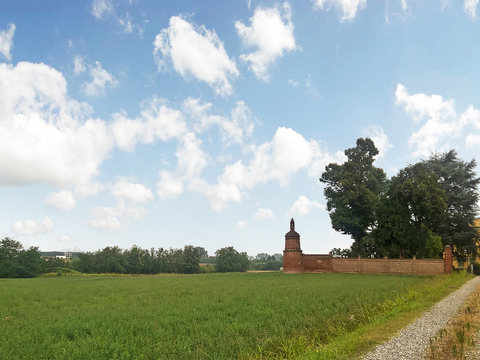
x: 424, y: 207
x: 352, y: 191
x: 230, y: 260
x: 16, y: 262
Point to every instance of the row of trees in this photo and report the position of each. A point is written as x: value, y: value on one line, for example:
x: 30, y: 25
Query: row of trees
x: 424, y: 207
x: 17, y: 262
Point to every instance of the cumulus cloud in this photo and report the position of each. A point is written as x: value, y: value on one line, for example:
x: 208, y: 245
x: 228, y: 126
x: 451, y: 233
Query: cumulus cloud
x: 6, y: 41
x: 264, y: 214
x: 65, y: 238
x: 234, y: 129
x: 276, y: 160
x: 101, y: 79
x: 304, y: 206
x: 79, y: 65
x: 271, y: 32
x: 156, y: 121
x: 45, y: 135
x: 241, y: 225
x: 440, y: 121
x: 30, y: 227
x: 349, y: 8
x: 134, y: 193
x: 128, y: 196
x: 62, y: 200
x: 380, y: 139
x: 195, y: 51
x: 191, y: 162
x: 470, y: 7
x: 88, y: 189
x: 101, y: 8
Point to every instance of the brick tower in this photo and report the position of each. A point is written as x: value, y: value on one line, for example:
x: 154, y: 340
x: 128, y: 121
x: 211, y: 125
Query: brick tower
x: 292, y: 255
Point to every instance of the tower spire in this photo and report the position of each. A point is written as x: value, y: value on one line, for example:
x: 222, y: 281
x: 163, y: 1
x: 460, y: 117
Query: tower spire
x: 292, y: 225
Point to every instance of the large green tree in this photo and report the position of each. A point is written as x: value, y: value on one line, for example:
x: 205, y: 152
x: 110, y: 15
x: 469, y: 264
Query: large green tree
x: 460, y: 183
x: 17, y: 262
x: 352, y: 190
x: 413, y: 206
x: 230, y: 260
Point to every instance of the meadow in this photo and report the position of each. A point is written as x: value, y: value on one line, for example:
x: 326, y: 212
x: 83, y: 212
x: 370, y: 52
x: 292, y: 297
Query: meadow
x: 205, y: 316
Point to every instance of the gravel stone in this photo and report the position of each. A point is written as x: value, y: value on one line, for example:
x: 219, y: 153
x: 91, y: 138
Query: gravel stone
x: 411, y: 342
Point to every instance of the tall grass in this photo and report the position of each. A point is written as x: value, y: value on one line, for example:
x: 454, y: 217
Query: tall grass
x: 211, y: 316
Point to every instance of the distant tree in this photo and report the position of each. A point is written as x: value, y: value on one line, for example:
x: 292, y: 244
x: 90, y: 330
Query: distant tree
x: 460, y: 183
x: 201, y: 250
x: 278, y: 257
x: 230, y: 260
x: 17, y: 262
x: 191, y: 258
x: 352, y: 191
x: 262, y: 256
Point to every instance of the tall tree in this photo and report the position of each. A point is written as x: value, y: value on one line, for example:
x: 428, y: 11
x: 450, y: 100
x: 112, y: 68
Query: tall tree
x: 352, y: 191
x: 191, y: 258
x: 413, y: 206
x: 230, y: 260
x: 460, y: 183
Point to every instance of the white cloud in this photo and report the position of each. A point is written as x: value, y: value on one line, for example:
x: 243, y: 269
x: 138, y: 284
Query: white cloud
x: 310, y: 88
x: 195, y: 51
x: 62, y: 200
x: 45, y: 135
x: 169, y: 186
x: 79, y: 65
x: 6, y: 41
x: 101, y: 8
x: 131, y: 192
x: 293, y: 83
x: 241, y: 225
x: 271, y: 31
x: 88, y: 189
x: 304, y: 206
x: 264, y: 214
x: 470, y: 7
x: 30, y: 227
x: 279, y: 159
x: 441, y: 122
x: 126, y: 24
x: 234, y: 129
x: 380, y: 139
x: 101, y: 78
x: 348, y: 7
x: 128, y: 196
x: 191, y: 162
x: 116, y: 217
x: 65, y: 238
x: 156, y: 121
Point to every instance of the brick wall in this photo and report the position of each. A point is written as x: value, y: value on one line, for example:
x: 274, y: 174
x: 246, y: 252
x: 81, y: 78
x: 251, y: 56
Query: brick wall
x: 317, y: 263
x: 389, y: 266
x: 296, y: 262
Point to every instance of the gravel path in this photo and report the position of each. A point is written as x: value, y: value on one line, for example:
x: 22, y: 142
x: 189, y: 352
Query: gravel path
x: 411, y: 342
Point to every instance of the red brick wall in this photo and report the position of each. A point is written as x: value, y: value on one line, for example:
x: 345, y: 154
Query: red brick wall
x: 317, y: 263
x: 389, y: 266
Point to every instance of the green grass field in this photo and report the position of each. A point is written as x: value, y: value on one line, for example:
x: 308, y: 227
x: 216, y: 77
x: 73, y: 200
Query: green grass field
x: 211, y: 316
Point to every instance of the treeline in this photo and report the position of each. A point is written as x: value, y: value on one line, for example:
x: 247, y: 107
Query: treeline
x: 419, y: 211
x: 17, y: 262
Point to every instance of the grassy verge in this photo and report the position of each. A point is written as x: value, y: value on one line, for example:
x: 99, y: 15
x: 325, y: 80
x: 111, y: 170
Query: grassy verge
x: 387, y: 319
x: 210, y: 316
x: 452, y: 342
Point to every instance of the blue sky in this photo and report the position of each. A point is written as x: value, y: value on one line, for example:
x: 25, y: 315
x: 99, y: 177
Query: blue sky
x: 167, y: 123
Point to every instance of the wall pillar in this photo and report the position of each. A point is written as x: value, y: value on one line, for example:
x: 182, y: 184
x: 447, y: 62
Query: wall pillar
x: 448, y: 258
x: 414, y: 263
